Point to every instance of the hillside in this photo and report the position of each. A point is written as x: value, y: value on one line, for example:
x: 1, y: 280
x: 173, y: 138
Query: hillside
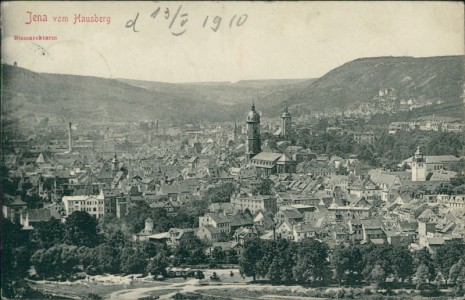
x: 358, y: 81
x: 241, y: 92
x: 27, y: 94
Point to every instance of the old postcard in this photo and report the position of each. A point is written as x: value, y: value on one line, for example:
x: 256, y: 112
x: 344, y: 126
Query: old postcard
x: 232, y: 150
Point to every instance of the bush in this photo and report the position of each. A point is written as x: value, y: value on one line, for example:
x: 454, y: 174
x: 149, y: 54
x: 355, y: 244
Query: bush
x: 92, y: 296
x: 349, y: 293
x: 367, y: 291
x: 330, y: 293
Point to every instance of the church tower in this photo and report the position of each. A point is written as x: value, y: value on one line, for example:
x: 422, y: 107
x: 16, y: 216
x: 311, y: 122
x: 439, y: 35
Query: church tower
x: 253, y: 133
x: 418, y: 166
x: 286, y: 124
x: 114, y: 166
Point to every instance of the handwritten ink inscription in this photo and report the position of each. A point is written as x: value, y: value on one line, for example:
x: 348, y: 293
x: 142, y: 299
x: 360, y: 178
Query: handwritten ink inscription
x: 177, y: 20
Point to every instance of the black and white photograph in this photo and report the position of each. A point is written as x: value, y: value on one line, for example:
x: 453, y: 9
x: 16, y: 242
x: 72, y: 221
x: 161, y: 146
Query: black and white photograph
x: 232, y: 150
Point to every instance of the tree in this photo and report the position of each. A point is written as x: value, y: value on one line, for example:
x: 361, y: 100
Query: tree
x: 402, y: 262
x: 457, y: 275
x: 376, y: 255
x: 106, y: 258
x: 251, y: 254
x: 423, y: 257
x: 190, y: 251
x: 117, y: 239
x: 47, y: 234
x: 59, y: 260
x: 231, y: 257
x: 81, y: 230
x: 189, y: 213
x: 136, y: 216
x: 421, y: 275
x: 157, y: 265
x: 269, y: 252
x: 164, y: 222
x: 264, y: 188
x: 220, y: 193
x: 133, y: 261
x: 311, y: 264
x: 108, y: 225
x: 347, y: 263
x: 447, y: 255
x: 217, y: 255
x: 281, y: 268
x: 378, y: 276
x: 15, y: 254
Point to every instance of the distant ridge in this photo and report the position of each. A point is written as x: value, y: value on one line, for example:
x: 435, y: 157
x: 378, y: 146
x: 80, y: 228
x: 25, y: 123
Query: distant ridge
x: 358, y: 81
x: 28, y: 94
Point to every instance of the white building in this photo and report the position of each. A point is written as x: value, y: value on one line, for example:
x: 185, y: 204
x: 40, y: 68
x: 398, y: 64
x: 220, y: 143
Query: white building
x: 93, y: 205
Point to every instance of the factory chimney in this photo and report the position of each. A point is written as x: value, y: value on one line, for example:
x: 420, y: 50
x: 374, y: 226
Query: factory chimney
x: 70, y: 139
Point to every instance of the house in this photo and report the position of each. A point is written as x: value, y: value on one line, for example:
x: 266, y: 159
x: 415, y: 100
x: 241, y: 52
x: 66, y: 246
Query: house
x: 14, y: 210
x: 243, y: 234
x: 98, y: 206
x: 209, y: 233
x: 366, y: 188
x: 364, y: 137
x: 227, y: 247
x: 216, y: 220
x: 240, y: 220
x: 171, y: 207
x: 176, y: 235
x: 254, y: 203
x: 225, y: 208
x: 373, y: 232
x: 360, y: 209
x: 288, y: 214
x: 264, y: 220
x: 284, y: 231
x: 303, y: 230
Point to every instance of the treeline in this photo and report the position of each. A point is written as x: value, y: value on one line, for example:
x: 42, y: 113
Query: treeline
x: 388, y: 149
x: 312, y: 262
x: 58, y: 250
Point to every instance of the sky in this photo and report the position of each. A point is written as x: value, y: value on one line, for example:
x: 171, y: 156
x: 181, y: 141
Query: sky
x: 182, y: 42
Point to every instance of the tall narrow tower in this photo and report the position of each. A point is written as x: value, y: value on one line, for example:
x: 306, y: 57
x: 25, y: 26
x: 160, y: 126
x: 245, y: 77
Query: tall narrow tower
x: 253, y: 133
x: 70, y: 138
x: 114, y: 166
x: 419, y: 166
x: 286, y: 123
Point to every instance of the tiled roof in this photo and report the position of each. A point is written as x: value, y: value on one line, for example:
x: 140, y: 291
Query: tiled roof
x: 268, y: 156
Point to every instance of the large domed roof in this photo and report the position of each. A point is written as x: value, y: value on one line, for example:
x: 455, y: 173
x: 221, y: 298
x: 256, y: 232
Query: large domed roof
x: 286, y: 113
x: 253, y: 116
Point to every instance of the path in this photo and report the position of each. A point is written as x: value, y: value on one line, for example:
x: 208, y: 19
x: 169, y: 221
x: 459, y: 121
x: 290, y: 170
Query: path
x: 193, y: 286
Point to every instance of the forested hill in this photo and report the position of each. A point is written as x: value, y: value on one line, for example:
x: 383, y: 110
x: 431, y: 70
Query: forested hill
x: 27, y: 94
x: 358, y: 81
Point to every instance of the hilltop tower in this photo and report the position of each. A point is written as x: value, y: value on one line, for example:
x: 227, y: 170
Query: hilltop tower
x: 419, y: 172
x: 286, y: 123
x: 253, y: 133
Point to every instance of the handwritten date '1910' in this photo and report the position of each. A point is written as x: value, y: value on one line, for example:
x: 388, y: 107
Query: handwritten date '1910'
x: 177, y: 20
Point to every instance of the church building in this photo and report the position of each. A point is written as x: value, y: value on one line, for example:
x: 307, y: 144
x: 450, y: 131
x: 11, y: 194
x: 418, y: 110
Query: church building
x: 266, y: 163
